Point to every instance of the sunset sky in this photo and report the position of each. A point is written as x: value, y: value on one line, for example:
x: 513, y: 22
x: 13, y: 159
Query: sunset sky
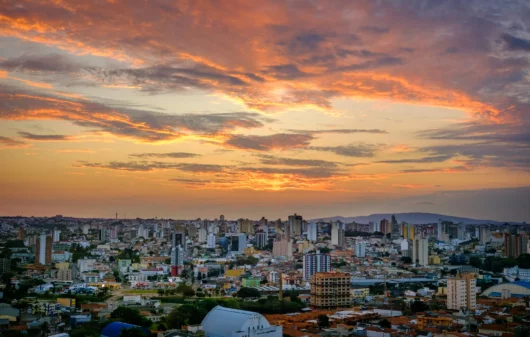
x: 189, y: 109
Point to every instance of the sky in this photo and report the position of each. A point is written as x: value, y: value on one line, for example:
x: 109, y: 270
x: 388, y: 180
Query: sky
x: 187, y: 109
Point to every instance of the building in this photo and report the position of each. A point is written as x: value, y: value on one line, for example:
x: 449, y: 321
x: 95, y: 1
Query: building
x: 5, y: 265
x: 515, y: 244
x: 64, y: 275
x: 395, y: 228
x: 262, y: 239
x: 102, y: 235
x: 225, y: 322
x: 177, y: 260
x: 385, y: 227
x: 43, y: 249
x: 517, y: 273
x: 312, y: 232
x: 462, y: 292
x: 337, y: 235
x: 21, y: 234
x: 434, y: 321
x: 518, y: 289
x: 250, y: 281
x: 360, y: 249
x: 295, y: 224
x: 202, y: 235
x: 211, y: 240
x: 408, y: 231
x: 484, y: 235
x: 330, y: 290
x: 420, y: 252
x: 56, y: 235
x: 115, y: 329
x: 282, y: 248
x: 245, y: 226
x: 238, y: 242
x: 316, y: 263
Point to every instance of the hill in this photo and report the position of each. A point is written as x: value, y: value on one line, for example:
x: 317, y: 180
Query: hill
x: 414, y: 218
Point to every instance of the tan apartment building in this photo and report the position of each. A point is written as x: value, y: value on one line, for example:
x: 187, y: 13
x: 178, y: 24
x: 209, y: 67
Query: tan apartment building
x: 331, y: 289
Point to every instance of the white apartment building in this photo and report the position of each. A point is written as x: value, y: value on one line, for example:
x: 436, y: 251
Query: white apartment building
x: 462, y: 292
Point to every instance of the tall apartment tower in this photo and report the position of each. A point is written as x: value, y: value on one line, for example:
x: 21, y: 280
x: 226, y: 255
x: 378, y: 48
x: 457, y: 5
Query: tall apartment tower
x: 312, y: 232
x: 385, y: 227
x: 330, y: 290
x: 295, y: 223
x: 483, y: 235
x: 515, y: 244
x: 420, y: 251
x: 395, y: 228
x: 360, y: 249
x: 177, y: 260
x: 21, y: 234
x: 43, y: 249
x: 316, y: 263
x: 462, y: 292
x: 262, y: 239
x: 337, y: 235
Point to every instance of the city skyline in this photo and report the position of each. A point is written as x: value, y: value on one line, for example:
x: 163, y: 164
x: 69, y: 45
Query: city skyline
x: 188, y: 109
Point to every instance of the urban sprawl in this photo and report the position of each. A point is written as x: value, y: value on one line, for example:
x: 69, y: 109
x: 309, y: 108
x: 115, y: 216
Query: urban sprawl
x: 63, y: 276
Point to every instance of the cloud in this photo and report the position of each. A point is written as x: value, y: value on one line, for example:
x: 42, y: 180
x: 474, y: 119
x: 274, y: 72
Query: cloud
x: 44, y: 138
x: 48, y: 63
x: 172, y: 155
x: 273, y: 160
x: 10, y: 142
x: 278, y: 141
x: 137, y: 124
x: 515, y: 43
x: 352, y: 150
x: 431, y: 159
x: 146, y: 166
x: 342, y: 131
x: 455, y: 169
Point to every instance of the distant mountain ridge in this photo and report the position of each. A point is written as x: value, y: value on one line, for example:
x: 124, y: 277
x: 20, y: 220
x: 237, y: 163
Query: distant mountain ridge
x: 413, y: 218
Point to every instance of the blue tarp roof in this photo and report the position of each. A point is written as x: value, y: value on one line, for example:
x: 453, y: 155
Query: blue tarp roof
x: 114, y: 329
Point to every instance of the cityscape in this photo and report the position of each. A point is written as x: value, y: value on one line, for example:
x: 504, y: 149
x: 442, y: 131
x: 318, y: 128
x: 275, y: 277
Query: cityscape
x: 264, y: 168
x: 65, y: 276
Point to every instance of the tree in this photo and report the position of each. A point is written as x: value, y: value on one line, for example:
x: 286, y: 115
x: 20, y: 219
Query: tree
x: 131, y: 316
x: 325, y: 250
x: 475, y: 262
x: 132, y: 332
x: 385, y: 323
x: 323, y: 321
x: 406, y: 259
x: 245, y: 292
x: 418, y: 306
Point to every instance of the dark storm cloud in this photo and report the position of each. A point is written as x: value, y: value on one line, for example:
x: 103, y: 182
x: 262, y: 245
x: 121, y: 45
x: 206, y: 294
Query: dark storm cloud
x: 49, y: 63
x: 360, y: 150
x: 173, y: 155
x: 279, y: 141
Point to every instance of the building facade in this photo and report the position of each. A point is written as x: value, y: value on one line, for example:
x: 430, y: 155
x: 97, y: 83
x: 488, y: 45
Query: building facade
x: 316, y: 263
x: 330, y: 290
x: 420, y: 252
x: 462, y: 292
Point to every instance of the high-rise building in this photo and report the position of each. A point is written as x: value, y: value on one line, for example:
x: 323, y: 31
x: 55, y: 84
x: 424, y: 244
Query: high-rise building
x: 360, y: 249
x: 395, y: 228
x: 385, y: 227
x: 484, y: 235
x: 102, y: 235
x: 178, y: 238
x: 316, y: 263
x: 462, y: 292
x: 330, y: 290
x: 21, y: 234
x: 177, y: 260
x: 515, y: 244
x: 5, y: 265
x: 114, y: 232
x: 202, y: 235
x: 238, y: 242
x: 245, y: 226
x: 461, y: 231
x: 408, y: 231
x: 420, y: 251
x: 295, y: 223
x: 337, y: 236
x: 211, y: 240
x: 282, y: 248
x: 262, y: 239
x: 86, y: 229
x: 312, y: 232
x: 43, y: 249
